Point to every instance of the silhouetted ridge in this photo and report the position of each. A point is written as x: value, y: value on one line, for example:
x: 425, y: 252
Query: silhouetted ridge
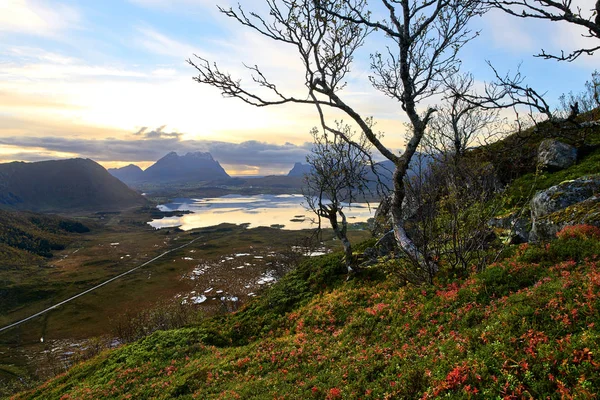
x: 63, y: 185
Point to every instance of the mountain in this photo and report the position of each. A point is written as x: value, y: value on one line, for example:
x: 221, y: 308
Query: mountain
x: 129, y: 174
x: 192, y: 167
x: 64, y: 185
x: 385, y: 169
x: 299, y: 169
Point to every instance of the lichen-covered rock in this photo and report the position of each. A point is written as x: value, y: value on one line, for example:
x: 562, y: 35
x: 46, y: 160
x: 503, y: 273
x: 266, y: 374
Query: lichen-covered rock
x: 586, y: 212
x: 382, y: 220
x: 554, y: 155
x: 563, y: 195
x: 561, y: 205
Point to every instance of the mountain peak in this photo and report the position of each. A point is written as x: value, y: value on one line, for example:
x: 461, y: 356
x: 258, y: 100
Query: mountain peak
x: 200, y: 155
x: 58, y: 185
x: 300, y: 169
x: 193, y: 167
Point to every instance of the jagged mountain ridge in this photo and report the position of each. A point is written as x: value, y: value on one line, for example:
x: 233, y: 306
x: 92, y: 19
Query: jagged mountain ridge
x: 172, y: 168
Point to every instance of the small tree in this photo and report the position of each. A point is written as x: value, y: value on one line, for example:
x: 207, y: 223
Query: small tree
x: 583, y: 101
x: 338, y: 178
x: 459, y: 123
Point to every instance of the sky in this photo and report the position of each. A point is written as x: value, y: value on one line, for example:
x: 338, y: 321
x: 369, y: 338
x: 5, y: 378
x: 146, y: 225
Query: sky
x: 108, y: 80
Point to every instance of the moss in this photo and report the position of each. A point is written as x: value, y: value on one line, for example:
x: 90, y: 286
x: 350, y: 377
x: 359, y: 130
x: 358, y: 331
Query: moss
x: 585, y: 212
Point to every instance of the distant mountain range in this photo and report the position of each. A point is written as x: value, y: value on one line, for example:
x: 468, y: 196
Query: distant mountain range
x: 173, y: 168
x: 385, y: 169
x: 63, y: 186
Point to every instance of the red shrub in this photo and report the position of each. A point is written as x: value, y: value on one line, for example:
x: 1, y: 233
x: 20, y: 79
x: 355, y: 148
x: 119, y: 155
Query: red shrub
x: 579, y: 232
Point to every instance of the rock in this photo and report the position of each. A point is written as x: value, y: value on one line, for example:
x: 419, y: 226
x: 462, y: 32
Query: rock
x: 554, y: 208
x: 385, y: 246
x: 563, y: 195
x: 383, y: 220
x: 586, y: 212
x: 554, y: 155
x: 513, y: 228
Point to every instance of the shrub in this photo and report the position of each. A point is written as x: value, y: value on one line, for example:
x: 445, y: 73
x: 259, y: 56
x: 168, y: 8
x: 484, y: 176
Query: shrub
x: 582, y: 232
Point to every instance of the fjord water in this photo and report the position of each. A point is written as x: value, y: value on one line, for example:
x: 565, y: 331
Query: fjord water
x: 258, y: 210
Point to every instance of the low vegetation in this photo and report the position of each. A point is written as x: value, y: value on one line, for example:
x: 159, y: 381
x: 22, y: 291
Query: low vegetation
x: 527, y: 326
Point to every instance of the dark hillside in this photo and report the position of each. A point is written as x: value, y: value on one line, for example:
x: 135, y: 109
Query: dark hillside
x: 516, y: 154
x: 128, y: 174
x: 27, y: 240
x: 63, y: 186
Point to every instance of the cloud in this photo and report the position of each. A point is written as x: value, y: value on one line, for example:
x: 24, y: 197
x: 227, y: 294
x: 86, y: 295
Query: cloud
x: 153, y: 145
x: 158, y: 43
x: 158, y: 133
x: 48, y: 19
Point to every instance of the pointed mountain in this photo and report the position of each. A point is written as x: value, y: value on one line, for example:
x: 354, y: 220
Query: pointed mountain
x: 63, y: 186
x: 192, y: 167
x: 299, y: 169
x: 128, y: 174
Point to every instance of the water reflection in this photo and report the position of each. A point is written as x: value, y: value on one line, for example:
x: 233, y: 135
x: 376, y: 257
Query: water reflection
x: 260, y: 210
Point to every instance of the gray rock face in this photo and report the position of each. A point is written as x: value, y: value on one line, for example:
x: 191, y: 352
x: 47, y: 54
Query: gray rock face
x: 514, y: 227
x: 554, y: 155
x: 547, y: 205
x: 563, y: 195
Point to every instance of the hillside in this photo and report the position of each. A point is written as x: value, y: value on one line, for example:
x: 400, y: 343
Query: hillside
x: 27, y: 241
x: 63, y: 186
x: 527, y: 326
x: 524, y: 324
x: 35, y: 234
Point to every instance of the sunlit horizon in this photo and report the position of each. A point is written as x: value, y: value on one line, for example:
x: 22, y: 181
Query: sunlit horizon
x: 109, y: 81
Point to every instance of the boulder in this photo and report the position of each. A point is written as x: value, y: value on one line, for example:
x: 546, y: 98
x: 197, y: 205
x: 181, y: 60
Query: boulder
x: 559, y: 206
x: 512, y: 228
x: 554, y: 155
x: 586, y: 212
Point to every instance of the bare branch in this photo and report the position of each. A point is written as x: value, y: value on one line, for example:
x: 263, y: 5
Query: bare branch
x: 555, y: 11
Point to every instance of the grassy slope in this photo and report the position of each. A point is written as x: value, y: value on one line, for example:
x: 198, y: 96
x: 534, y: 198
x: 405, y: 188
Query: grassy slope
x: 525, y: 326
x: 27, y: 241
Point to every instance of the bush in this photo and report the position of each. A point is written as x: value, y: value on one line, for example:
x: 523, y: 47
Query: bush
x: 576, y: 243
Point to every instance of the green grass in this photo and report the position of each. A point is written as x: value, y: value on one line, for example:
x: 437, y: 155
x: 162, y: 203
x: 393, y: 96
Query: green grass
x: 525, y: 327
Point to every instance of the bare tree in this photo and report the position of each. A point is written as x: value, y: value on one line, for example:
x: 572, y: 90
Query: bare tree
x: 460, y: 123
x: 423, y: 39
x: 584, y: 101
x: 338, y: 178
x: 556, y: 10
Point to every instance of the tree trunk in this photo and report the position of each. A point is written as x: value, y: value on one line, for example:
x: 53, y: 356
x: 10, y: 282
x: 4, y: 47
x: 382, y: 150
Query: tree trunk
x: 402, y: 238
x: 341, y: 234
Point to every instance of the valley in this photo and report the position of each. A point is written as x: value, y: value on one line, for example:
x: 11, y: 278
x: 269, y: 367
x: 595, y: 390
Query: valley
x: 219, y: 269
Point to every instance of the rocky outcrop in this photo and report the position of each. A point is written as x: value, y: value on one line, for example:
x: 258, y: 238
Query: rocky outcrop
x: 569, y: 203
x: 586, y: 212
x: 512, y: 228
x: 554, y: 155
